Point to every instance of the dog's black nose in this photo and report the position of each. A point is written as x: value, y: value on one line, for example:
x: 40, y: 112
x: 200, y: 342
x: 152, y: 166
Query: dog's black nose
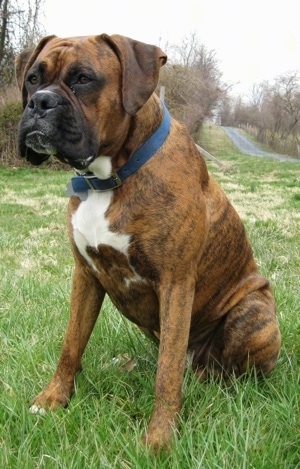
x: 44, y: 101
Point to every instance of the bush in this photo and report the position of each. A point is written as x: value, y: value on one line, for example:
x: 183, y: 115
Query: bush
x: 10, y: 114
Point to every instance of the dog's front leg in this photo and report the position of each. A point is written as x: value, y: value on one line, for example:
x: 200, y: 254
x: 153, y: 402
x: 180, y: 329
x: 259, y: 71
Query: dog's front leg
x: 86, y: 299
x: 175, y: 318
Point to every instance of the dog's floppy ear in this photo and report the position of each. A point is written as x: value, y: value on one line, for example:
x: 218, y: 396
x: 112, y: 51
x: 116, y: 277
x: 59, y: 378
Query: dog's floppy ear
x: 20, y: 65
x: 24, y: 61
x: 140, y: 69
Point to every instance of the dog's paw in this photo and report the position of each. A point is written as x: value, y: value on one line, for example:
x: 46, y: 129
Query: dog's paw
x: 157, y: 441
x: 160, y: 435
x: 55, y: 395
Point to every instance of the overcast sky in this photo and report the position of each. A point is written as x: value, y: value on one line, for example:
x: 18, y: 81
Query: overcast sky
x: 254, y: 40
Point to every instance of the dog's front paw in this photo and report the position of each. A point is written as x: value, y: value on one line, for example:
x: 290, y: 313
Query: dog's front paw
x: 55, y: 395
x: 161, y: 430
x: 158, y: 439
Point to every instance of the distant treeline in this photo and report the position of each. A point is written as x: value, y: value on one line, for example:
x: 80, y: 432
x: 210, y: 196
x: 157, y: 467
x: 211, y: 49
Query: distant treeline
x: 272, y: 115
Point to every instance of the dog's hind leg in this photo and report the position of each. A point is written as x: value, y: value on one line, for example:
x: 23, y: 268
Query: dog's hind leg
x: 86, y: 299
x: 251, y: 334
x: 247, y: 337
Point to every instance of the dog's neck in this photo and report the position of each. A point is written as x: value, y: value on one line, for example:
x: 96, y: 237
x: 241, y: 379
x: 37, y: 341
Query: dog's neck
x: 145, y: 123
x: 147, y: 119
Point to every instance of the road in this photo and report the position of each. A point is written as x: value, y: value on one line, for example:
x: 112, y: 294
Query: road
x: 244, y: 145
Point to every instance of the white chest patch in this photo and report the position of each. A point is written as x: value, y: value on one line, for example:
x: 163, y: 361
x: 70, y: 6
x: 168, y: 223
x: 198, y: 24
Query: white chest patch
x: 91, y: 228
x: 90, y: 225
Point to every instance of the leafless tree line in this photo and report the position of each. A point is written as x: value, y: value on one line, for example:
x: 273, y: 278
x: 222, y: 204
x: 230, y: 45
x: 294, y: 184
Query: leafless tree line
x: 272, y: 115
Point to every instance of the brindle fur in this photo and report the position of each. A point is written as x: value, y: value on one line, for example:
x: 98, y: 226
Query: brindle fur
x: 201, y: 290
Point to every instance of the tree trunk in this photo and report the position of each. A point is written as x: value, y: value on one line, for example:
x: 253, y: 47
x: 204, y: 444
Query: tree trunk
x: 3, y: 27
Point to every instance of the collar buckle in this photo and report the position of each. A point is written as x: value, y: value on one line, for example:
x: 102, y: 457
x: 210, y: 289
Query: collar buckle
x: 98, y: 185
x: 116, y: 179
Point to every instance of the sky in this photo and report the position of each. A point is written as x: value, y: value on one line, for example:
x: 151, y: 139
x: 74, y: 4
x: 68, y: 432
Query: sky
x: 254, y: 41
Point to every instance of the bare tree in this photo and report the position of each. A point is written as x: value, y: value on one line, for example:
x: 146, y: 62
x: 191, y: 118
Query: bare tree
x: 287, y: 93
x: 193, y: 82
x: 3, y: 28
x: 19, y: 28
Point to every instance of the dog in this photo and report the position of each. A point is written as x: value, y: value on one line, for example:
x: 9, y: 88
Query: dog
x: 148, y: 225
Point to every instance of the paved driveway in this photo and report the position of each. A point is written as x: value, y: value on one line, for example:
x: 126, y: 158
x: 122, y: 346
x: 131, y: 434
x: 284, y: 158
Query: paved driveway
x: 244, y: 145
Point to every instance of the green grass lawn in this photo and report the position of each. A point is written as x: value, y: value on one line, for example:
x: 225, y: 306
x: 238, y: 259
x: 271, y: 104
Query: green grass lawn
x: 249, y: 424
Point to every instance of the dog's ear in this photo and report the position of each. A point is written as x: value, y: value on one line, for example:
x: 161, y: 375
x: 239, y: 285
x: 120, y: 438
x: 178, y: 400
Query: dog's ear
x: 20, y: 65
x: 24, y: 61
x: 140, y: 69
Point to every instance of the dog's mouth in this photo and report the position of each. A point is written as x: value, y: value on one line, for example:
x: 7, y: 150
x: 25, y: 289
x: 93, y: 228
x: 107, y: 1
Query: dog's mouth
x: 39, y: 148
x: 79, y: 163
x: 39, y: 143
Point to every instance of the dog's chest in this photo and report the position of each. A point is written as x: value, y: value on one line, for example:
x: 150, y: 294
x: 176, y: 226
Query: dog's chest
x: 91, y: 226
x: 105, y: 251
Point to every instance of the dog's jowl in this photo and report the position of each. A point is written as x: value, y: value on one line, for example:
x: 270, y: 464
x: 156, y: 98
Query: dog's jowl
x: 148, y: 225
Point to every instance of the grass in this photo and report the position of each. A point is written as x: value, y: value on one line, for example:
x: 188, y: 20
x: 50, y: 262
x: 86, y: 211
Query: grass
x: 249, y: 424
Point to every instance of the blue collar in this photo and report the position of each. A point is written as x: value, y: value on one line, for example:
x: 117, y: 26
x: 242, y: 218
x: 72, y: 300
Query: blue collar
x: 80, y: 184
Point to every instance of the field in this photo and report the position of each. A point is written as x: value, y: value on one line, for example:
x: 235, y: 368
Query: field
x: 248, y: 424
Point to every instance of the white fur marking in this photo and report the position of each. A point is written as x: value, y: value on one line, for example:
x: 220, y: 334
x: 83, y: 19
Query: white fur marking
x: 134, y: 279
x: 34, y: 409
x: 101, y: 167
x: 90, y: 226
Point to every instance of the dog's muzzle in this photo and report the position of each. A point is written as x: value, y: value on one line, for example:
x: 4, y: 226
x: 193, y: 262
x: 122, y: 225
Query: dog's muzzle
x: 51, y: 126
x: 36, y: 127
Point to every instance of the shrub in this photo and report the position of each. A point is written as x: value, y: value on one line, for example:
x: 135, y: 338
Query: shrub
x: 10, y: 114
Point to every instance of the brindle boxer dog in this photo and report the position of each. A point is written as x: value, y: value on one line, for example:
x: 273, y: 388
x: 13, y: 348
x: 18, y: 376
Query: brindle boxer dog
x: 148, y: 225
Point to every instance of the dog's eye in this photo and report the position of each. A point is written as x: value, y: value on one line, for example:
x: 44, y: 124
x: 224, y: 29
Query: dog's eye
x: 33, y: 79
x: 83, y: 80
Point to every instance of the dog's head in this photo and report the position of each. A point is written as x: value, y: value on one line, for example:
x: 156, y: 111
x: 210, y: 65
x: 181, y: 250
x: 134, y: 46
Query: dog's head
x: 79, y: 95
